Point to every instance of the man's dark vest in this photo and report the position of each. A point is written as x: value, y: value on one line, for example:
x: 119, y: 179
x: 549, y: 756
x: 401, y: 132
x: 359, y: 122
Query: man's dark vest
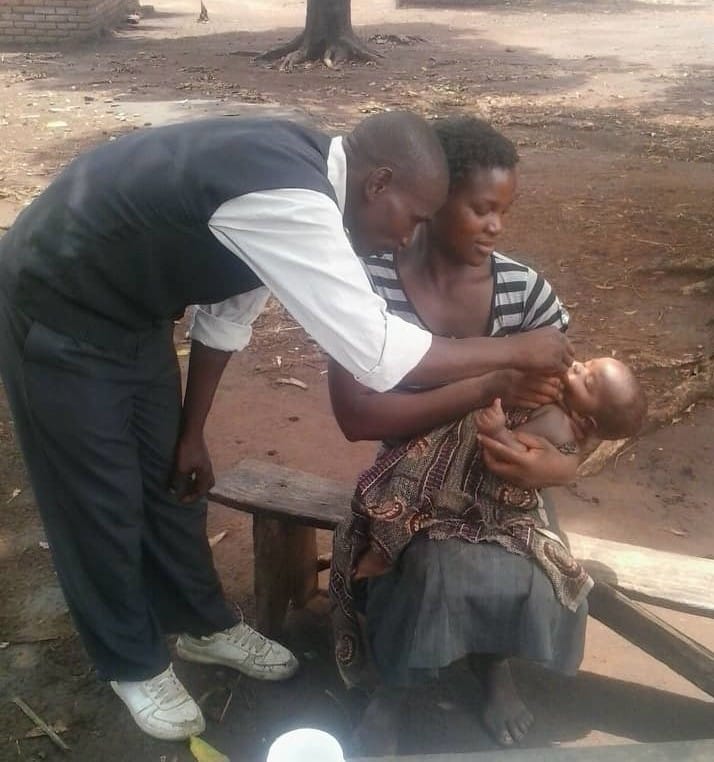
x: 120, y: 242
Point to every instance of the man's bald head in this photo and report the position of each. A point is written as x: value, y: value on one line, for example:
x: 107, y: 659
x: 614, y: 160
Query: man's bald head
x: 402, y: 141
x: 397, y: 176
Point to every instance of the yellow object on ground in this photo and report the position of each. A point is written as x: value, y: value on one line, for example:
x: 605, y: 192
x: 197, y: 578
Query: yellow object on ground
x: 205, y: 752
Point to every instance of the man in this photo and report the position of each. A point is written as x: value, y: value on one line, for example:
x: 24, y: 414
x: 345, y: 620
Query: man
x: 92, y: 274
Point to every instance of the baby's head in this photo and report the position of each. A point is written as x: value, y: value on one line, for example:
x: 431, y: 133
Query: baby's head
x: 606, y: 392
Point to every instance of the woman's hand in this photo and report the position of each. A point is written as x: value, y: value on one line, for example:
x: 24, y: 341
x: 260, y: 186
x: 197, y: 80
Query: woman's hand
x: 540, y: 465
x: 530, y: 391
x: 193, y: 472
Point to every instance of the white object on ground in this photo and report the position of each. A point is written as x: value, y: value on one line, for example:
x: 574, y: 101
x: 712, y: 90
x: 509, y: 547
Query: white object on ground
x: 305, y: 745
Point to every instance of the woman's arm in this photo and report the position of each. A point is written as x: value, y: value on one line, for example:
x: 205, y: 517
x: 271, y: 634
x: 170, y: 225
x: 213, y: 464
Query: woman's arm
x: 364, y: 414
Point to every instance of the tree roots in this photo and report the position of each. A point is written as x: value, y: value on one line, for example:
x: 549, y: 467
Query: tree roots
x: 347, y: 47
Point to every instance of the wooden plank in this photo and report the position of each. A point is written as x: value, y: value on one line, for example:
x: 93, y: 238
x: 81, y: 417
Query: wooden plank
x: 679, y: 582
x: 673, y: 580
x: 258, y: 487
x: 673, y: 751
x: 653, y: 635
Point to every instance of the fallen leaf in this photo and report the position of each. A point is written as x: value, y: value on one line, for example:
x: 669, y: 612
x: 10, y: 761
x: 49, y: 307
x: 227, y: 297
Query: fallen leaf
x: 292, y: 382
x: 678, y: 532
x: 14, y: 494
x: 44, y: 545
x: 204, y: 752
x: 4, y: 644
x: 213, y: 541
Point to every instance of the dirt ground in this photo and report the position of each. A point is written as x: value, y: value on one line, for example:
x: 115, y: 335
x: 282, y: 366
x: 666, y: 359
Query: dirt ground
x: 610, y: 103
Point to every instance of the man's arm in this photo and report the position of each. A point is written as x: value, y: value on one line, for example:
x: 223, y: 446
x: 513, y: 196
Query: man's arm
x: 544, y: 351
x: 294, y: 241
x: 217, y: 331
x: 193, y: 472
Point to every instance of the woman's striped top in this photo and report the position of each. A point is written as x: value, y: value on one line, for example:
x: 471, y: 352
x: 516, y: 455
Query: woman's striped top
x: 522, y: 299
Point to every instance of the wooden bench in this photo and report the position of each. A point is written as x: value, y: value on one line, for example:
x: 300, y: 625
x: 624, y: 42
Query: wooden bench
x: 673, y: 751
x: 289, y: 505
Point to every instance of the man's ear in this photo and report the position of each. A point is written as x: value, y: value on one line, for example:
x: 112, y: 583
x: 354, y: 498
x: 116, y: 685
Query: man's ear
x: 377, y: 182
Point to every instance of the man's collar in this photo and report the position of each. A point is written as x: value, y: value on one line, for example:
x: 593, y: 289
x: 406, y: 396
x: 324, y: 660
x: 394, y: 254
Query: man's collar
x: 337, y: 171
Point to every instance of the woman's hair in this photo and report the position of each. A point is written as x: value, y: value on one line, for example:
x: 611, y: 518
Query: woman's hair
x: 470, y: 143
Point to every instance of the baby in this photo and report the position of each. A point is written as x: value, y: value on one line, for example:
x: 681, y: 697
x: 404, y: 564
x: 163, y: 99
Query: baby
x: 602, y: 399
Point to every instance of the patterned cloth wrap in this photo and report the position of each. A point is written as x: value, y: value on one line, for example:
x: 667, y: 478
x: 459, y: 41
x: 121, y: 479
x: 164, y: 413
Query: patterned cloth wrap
x: 438, y: 485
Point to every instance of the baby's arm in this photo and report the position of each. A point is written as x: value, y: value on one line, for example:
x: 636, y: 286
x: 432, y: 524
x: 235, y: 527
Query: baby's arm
x: 491, y: 421
x: 548, y: 421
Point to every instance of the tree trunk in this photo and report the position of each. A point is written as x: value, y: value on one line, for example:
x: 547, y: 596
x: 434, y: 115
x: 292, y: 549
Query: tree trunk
x: 327, y: 37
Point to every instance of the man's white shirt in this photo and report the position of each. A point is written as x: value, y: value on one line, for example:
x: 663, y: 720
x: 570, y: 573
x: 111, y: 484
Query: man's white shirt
x: 294, y: 240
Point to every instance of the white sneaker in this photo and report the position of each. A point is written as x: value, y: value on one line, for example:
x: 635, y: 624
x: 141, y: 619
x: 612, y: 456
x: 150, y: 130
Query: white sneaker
x: 241, y: 648
x: 161, y: 706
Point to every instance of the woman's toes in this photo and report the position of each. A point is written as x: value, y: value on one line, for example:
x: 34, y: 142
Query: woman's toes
x: 506, y: 739
x: 524, y: 722
x: 517, y: 731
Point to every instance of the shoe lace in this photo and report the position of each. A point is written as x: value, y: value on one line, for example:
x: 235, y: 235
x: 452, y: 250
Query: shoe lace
x: 248, y: 638
x: 165, y: 686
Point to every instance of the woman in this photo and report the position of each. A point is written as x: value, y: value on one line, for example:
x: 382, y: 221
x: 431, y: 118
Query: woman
x: 446, y: 599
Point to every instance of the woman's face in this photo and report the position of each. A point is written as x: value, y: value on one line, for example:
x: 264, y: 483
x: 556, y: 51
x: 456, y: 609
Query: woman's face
x: 471, y: 220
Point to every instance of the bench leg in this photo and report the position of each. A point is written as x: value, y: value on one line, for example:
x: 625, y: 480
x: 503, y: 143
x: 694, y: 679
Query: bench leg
x: 653, y: 635
x: 285, y: 569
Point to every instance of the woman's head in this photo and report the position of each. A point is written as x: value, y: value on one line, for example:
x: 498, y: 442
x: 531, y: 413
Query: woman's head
x: 482, y: 184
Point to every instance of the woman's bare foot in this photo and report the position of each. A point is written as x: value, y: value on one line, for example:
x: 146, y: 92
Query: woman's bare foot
x: 506, y: 717
x: 378, y: 732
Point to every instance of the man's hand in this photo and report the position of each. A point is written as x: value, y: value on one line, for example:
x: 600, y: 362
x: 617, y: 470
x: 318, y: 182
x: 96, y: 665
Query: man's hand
x: 530, y: 391
x: 193, y: 473
x: 544, y: 350
x: 540, y: 465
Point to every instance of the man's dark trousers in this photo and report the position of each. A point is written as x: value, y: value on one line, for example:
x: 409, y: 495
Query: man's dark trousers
x: 98, y: 429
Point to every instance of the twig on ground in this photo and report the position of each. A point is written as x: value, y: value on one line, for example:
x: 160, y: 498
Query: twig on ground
x: 56, y: 740
x: 225, y: 706
x: 597, y: 459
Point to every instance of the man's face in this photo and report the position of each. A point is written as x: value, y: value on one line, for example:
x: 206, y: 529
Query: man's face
x: 386, y: 213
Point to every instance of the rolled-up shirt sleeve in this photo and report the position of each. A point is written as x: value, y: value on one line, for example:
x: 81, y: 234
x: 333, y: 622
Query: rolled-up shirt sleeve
x: 294, y: 241
x: 227, y: 325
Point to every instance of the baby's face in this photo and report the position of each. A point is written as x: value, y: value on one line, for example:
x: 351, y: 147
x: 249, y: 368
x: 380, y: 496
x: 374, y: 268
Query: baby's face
x: 591, y: 385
